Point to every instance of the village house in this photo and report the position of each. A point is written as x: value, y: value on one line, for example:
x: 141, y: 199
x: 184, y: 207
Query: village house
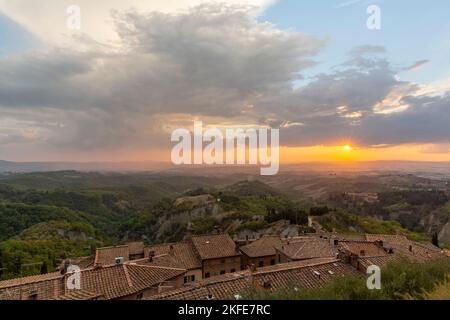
x: 261, y: 252
x: 182, y: 253
x: 109, y: 255
x: 122, y: 281
x: 218, y: 253
x: 306, y: 274
x: 352, y: 251
x: 202, y: 256
x: 210, y: 267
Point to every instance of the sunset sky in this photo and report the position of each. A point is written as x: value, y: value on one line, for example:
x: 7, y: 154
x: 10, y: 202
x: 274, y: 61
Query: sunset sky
x: 137, y: 70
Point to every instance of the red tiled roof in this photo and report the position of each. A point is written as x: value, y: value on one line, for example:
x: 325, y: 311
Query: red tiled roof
x: 214, y: 246
x: 183, y: 252
x: 79, y: 295
x: 136, y: 247
x: 308, y: 249
x: 262, y: 247
x: 412, y: 250
x: 362, y: 248
x: 380, y: 261
x: 108, y: 282
x: 81, y: 262
x: 107, y: 255
x: 163, y: 260
x: 118, y: 281
x: 29, y: 280
x: 304, y: 274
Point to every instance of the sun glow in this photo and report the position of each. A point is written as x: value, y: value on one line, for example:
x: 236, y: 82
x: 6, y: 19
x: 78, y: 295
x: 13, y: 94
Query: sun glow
x: 348, y: 148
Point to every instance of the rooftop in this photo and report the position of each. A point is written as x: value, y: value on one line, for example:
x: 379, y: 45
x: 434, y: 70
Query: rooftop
x: 300, y: 250
x: 214, y: 246
x: 183, y: 252
x: 363, y: 248
x: 262, y: 247
x: 107, y: 255
x: 304, y: 274
x: 109, y: 282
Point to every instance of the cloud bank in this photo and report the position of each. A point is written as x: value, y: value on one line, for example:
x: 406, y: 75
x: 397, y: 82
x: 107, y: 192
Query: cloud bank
x: 212, y: 62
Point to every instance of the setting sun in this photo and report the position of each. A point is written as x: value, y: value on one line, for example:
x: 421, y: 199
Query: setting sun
x: 347, y: 148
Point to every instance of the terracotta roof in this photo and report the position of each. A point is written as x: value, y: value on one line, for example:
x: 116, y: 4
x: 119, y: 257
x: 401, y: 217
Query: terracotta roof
x: 107, y: 255
x: 136, y: 247
x: 214, y: 246
x: 362, y: 248
x: 304, y: 274
x: 163, y: 260
x: 79, y: 295
x: 262, y: 247
x: 308, y: 249
x: 183, y: 252
x: 29, y: 280
x: 380, y: 261
x: 108, y: 282
x: 81, y: 262
x: 412, y: 250
x: 117, y: 281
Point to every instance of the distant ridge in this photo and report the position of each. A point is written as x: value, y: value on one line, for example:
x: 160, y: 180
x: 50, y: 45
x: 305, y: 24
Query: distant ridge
x: 414, y: 167
x: 23, y: 167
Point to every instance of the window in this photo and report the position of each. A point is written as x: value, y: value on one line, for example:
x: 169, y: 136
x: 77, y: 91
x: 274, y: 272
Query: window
x: 193, y: 278
x: 186, y: 279
x: 222, y: 272
x: 233, y: 270
x: 222, y: 261
x: 261, y: 264
x: 207, y: 275
x: 272, y: 262
x: 140, y: 296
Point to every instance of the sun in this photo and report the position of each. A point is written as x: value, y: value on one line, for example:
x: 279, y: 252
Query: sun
x: 347, y: 147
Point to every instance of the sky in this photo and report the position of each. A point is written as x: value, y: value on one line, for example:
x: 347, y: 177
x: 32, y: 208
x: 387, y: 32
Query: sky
x: 136, y: 70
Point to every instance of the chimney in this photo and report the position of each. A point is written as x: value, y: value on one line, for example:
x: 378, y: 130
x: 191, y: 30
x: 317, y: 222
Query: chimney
x: 65, y: 266
x: 97, y: 266
x: 380, y: 243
